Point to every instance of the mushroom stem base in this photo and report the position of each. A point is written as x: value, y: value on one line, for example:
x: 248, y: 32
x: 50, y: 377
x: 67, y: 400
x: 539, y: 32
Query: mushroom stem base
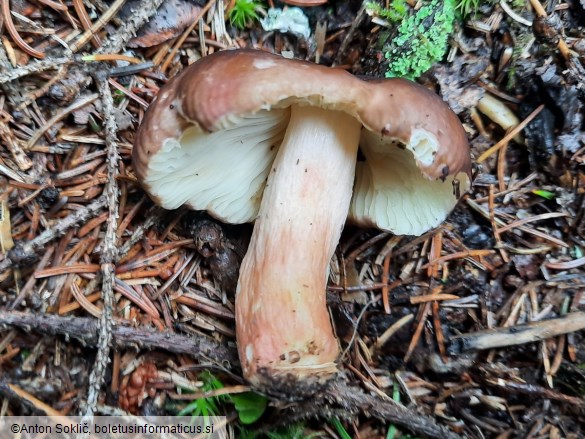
x: 283, y: 325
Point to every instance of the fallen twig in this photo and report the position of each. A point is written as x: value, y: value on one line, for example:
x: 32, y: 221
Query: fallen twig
x: 95, y: 27
x: 541, y: 12
x: 510, y: 135
x: 33, y: 67
x: 86, y: 21
x: 140, y: 15
x: 37, y: 403
x: 184, y: 35
x: 361, y: 14
x: 109, y: 249
x: 28, y: 251
x: 85, y: 330
x: 352, y: 400
x: 520, y: 334
x: 59, y: 116
x: 566, y: 265
x: 23, y: 162
x: 531, y: 390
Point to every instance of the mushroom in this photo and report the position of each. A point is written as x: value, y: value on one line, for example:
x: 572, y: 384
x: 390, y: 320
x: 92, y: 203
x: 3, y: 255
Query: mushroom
x: 251, y: 136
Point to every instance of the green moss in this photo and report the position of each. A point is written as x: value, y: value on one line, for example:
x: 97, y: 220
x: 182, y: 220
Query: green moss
x: 396, y: 11
x: 243, y: 13
x: 421, y: 40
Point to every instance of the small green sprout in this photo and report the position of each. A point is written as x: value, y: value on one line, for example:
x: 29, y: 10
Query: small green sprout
x: 395, y: 12
x: 244, y: 12
x: 205, y: 406
x: 544, y: 194
x: 341, y: 431
x: 118, y: 96
x: 465, y: 7
x: 393, y: 431
x: 421, y: 40
x: 249, y: 405
x: 94, y: 124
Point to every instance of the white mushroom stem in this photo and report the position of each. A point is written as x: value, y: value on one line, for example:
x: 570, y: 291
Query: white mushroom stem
x: 283, y: 325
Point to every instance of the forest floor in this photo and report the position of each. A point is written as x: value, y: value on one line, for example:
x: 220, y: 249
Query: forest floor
x: 109, y: 303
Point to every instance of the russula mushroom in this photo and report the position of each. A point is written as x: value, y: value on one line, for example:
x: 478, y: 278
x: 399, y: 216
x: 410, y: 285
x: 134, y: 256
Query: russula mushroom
x: 251, y: 136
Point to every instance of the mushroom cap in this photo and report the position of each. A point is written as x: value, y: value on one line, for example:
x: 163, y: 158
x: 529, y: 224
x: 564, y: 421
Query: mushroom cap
x: 209, y: 138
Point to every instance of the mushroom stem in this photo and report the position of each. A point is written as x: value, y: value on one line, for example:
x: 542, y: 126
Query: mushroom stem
x: 283, y: 326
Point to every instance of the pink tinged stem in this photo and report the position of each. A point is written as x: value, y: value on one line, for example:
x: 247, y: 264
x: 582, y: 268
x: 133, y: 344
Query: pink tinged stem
x: 283, y: 325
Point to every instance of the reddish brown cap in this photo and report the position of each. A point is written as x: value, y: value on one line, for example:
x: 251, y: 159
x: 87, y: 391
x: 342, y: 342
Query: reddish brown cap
x: 209, y: 138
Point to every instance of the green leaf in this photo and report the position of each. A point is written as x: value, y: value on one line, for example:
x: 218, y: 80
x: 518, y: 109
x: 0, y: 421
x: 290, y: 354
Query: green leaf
x: 190, y: 409
x: 544, y: 194
x: 249, y: 405
x: 340, y: 428
x: 205, y: 406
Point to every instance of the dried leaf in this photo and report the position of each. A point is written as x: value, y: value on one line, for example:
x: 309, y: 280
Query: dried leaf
x: 173, y: 17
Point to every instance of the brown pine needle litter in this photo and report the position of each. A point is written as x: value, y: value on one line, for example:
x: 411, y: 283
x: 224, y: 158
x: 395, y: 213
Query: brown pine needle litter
x: 445, y: 335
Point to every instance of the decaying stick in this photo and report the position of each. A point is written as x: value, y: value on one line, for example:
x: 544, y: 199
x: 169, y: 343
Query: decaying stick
x: 521, y: 334
x: 109, y: 250
x: 85, y: 330
x: 532, y: 391
x: 140, y: 15
x: 354, y: 400
x: 24, y: 253
x: 33, y: 67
